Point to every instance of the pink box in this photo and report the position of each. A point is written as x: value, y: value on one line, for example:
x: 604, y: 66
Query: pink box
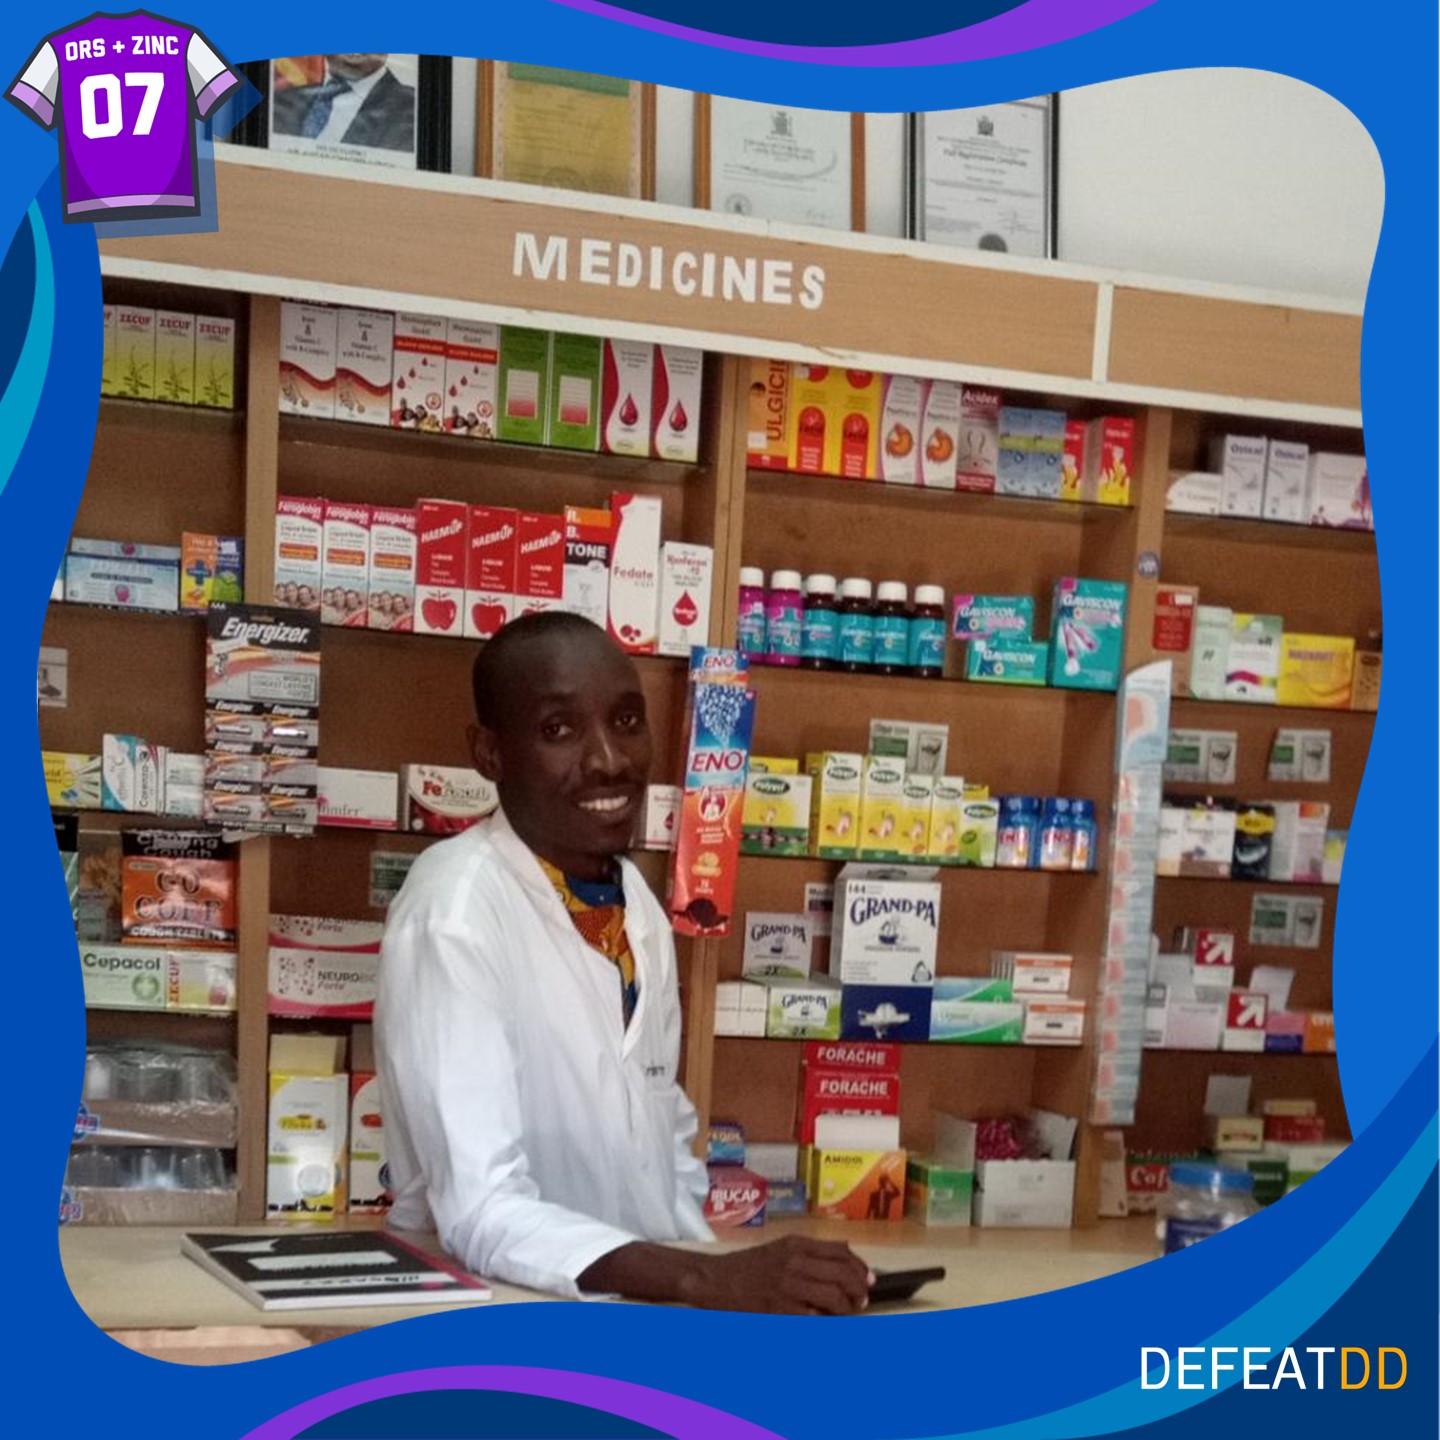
x: 676, y: 404
x: 392, y: 568
x: 979, y: 439
x: 490, y: 570
x: 939, y: 434
x: 345, y: 565
x: 418, y: 385
x: 444, y: 533
x: 540, y: 563
x: 472, y: 379
x: 736, y: 1198
x: 901, y: 418
x: 627, y: 393
x: 299, y: 543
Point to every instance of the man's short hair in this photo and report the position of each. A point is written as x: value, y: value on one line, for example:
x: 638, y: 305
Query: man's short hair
x: 501, y: 661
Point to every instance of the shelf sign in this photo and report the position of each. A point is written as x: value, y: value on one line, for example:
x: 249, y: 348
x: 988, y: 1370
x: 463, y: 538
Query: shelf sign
x: 688, y: 274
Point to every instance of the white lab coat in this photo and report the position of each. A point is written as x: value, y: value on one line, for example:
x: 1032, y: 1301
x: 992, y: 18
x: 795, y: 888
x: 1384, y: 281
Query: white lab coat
x: 522, y: 1117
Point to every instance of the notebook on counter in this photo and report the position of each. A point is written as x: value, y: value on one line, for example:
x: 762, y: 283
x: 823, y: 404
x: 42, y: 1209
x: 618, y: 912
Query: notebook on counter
x: 308, y: 1270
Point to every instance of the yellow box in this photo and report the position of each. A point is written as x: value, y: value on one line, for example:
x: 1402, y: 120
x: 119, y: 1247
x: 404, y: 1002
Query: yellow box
x: 309, y: 1115
x: 1316, y: 671
x: 857, y: 1184
x: 72, y: 781
x: 882, y: 801
x: 916, y: 802
x: 946, y: 817
x: 1237, y: 1132
x: 834, y: 421
x: 835, y: 802
x: 1365, y: 688
x: 772, y: 764
x: 776, y: 818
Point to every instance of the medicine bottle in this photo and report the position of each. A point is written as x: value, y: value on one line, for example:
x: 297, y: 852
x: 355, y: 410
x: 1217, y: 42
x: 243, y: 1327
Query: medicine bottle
x: 1202, y: 1201
x: 1017, y: 841
x: 1082, y: 827
x: 1057, y: 834
x: 926, y: 649
x: 857, y: 626
x: 750, y: 639
x: 784, y: 607
x: 820, y: 630
x: 892, y: 628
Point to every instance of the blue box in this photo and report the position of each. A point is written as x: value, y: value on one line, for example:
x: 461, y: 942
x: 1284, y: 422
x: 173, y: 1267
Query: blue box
x: 874, y: 1012
x: 726, y: 1143
x: 785, y: 1197
x: 1087, y: 634
x: 1003, y: 661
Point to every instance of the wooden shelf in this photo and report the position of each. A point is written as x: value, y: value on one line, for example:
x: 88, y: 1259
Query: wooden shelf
x: 916, y: 689
x: 1229, y: 529
x: 117, y: 409
x: 1246, y: 883
x: 942, y: 866
x: 1247, y: 1055
x: 1200, y: 713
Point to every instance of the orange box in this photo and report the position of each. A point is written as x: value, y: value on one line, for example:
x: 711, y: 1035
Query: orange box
x: 857, y: 1184
x: 1320, y: 1032
x: 177, y: 888
x: 834, y: 421
x: 768, y: 431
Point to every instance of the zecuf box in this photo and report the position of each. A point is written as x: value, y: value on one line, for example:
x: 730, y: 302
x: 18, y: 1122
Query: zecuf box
x: 307, y: 360
x: 900, y: 429
x: 133, y: 375
x: 417, y: 389
x: 444, y: 527
x: 539, y: 563
x: 627, y: 389
x: 175, y: 357
x: 490, y: 570
x: 524, y: 384
x: 675, y: 403
x: 364, y: 364
x: 574, y: 409
x: 215, y: 361
x: 472, y: 379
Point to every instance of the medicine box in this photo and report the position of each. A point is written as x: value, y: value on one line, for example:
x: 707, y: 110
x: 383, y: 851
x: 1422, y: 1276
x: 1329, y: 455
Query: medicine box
x: 1365, y: 692
x: 1109, y: 460
x: 1287, y: 465
x: 1240, y: 462
x: 1252, y: 668
x: 1002, y: 660
x: 979, y: 450
x: 492, y: 570
x: 937, y: 1192
x: 886, y: 925
x: 845, y: 1092
x: 127, y: 577
x: 539, y: 561
x: 524, y: 385
x: 660, y: 818
x: 133, y: 372
x: 309, y: 1114
x: 675, y: 404
x: 916, y: 801
x: 882, y: 790
x: 777, y: 945
x: 369, y: 1192
x: 131, y: 774
x: 589, y: 534
x: 345, y: 565
x: 307, y: 360
x: 359, y: 799
x: 1087, y: 634
x: 685, y: 581
x: 1237, y: 1132
x: 627, y: 385
x: 975, y: 616
x: 364, y: 365
x: 802, y: 1009
x: 725, y: 1143
x: 472, y: 379
x: 635, y: 572
x: 900, y: 429
x: 885, y: 1012
x: 776, y: 818
x: 1059, y: 1021
x: 736, y: 1198
x: 740, y: 1008
x: 1338, y: 490
x: 576, y: 362
x: 1033, y: 1194
x: 946, y: 806
x: 961, y: 1014
x: 1173, y: 636
x: 1210, y: 654
x: 417, y: 394
x: 299, y: 548
x: 773, y: 1160
x: 215, y: 361
x: 124, y: 977
x: 393, y: 546
x: 857, y: 1184
x: 979, y: 830
x: 1316, y: 671
x: 212, y: 570
x: 940, y: 429
x: 835, y: 802
x: 175, y: 357
x: 441, y: 558
x: 1033, y: 972
x: 834, y: 419
x: 443, y: 799
x: 1195, y: 492
x: 1072, y: 462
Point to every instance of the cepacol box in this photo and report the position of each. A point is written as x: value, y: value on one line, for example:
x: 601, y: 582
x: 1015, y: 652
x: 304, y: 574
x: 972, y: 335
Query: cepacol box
x: 540, y: 563
x: 441, y: 554
x: 717, y: 755
x: 853, y: 1055
x: 490, y: 570
x: 736, y: 1198
x: 845, y: 1092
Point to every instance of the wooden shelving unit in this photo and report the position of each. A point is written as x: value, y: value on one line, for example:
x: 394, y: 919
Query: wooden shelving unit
x: 1090, y: 342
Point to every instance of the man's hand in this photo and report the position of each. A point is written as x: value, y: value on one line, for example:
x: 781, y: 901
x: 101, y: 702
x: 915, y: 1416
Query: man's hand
x: 792, y: 1276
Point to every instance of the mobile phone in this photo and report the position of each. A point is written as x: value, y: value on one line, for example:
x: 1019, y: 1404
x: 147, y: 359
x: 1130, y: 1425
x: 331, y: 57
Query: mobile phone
x: 894, y: 1287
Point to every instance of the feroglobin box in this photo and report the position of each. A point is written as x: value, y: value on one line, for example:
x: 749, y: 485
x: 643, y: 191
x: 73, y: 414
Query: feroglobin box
x: 491, y: 570
x: 364, y: 365
x: 175, y: 357
x: 635, y: 572
x: 736, y: 1198
x: 940, y: 434
x: 299, y: 545
x: 215, y: 361
x: 539, y: 563
x: 440, y: 565
x: 472, y: 379
x: 393, y: 545
x: 685, y: 581
x: 589, y: 535
x: 675, y: 403
x: 627, y: 392
x: 345, y: 565
x: 845, y: 1092
x: 857, y: 1184
x: 768, y: 439
x: 900, y: 429
x: 417, y: 389
x: 307, y: 360
x: 979, y: 453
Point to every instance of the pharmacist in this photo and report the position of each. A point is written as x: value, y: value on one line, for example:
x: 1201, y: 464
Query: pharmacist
x: 528, y: 1020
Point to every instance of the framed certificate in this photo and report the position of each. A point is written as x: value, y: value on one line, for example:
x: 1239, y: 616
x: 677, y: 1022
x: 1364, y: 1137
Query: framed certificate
x: 780, y: 162
x: 566, y: 129
x: 984, y: 178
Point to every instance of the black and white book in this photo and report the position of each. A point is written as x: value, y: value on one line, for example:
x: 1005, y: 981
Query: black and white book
x: 315, y: 1270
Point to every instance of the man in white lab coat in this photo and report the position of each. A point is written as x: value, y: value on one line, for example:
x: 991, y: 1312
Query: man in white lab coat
x: 528, y: 1021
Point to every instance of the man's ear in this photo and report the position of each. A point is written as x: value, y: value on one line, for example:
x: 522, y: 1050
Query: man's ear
x: 485, y: 751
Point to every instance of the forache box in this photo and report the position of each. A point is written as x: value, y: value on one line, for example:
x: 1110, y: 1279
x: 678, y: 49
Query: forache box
x: 443, y: 799
x: 174, y: 357
x: 887, y: 920
x: 940, y: 432
x: 472, y: 379
x: 676, y: 403
x: 299, y: 546
x: 524, y: 384
x: 345, y: 565
x: 627, y: 389
x: 589, y: 535
x: 978, y: 458
x: 393, y: 546
x: 364, y: 366
x: 574, y: 408
x: 307, y: 360
x: 440, y: 563
x: 900, y: 422
x: 768, y: 438
x: 418, y: 377
x: 491, y: 570
x: 635, y: 572
x: 845, y: 1092
x: 685, y: 580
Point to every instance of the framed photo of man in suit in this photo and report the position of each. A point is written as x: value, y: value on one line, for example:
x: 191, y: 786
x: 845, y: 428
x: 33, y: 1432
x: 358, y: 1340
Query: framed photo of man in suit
x: 363, y: 108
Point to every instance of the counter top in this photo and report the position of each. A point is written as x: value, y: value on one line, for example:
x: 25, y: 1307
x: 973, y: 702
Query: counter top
x: 134, y: 1279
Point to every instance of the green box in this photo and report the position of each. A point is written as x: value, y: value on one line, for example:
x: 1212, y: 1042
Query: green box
x: 1001, y: 661
x: 936, y: 1193
x: 524, y: 385
x: 802, y: 1009
x: 574, y: 402
x: 979, y: 829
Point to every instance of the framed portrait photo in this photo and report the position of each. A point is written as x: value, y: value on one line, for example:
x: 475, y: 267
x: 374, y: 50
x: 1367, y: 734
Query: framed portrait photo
x: 984, y: 178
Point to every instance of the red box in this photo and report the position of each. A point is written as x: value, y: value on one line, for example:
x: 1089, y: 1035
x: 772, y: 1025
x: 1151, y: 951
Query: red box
x: 1248, y: 1010
x: 845, y: 1092
x: 540, y: 563
x: 1295, y: 1129
x: 490, y: 570
x: 1072, y: 468
x: 444, y: 527
x: 736, y: 1198
x: 852, y: 1055
x: 1214, y: 947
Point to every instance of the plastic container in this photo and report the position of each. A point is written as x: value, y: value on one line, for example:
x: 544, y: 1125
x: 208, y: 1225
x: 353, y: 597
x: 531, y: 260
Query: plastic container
x: 1202, y: 1201
x: 820, y: 629
x: 1057, y: 834
x: 925, y: 650
x: 1082, y: 826
x: 784, y: 612
x: 1017, y: 841
x: 892, y: 628
x: 857, y: 626
x: 750, y: 639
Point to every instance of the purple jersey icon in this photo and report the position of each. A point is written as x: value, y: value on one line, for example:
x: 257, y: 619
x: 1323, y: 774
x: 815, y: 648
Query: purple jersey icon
x: 125, y: 91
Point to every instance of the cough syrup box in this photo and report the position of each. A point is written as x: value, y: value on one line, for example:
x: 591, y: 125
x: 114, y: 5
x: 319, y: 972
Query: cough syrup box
x: 887, y: 921
x: 417, y: 379
x: 133, y: 366
x: 307, y: 360
x: 472, y: 379
x: 214, y: 361
x: 345, y: 565
x: 174, y: 357
x: 736, y: 1197
x: 627, y: 392
x: 845, y: 1092
x: 440, y: 566
x: 491, y: 570
x: 393, y: 545
x: 857, y: 1184
x: 539, y: 563
x: 364, y: 366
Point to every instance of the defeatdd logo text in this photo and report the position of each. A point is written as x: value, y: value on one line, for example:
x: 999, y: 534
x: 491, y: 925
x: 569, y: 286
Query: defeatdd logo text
x: 1261, y: 1367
